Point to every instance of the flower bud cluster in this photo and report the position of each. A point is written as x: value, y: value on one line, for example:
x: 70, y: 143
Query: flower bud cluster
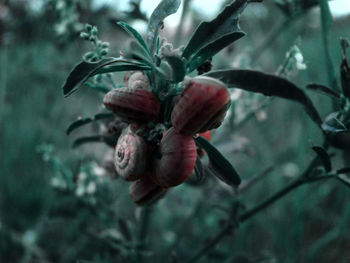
x: 100, y: 48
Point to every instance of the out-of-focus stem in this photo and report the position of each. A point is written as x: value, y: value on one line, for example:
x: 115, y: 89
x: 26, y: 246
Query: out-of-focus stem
x: 301, y: 180
x: 3, y: 81
x: 271, y: 38
x: 328, y: 60
x: 143, y: 231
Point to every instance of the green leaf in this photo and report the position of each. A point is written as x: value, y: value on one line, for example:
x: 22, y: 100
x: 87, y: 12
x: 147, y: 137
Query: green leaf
x: 269, y: 85
x: 110, y: 140
x: 344, y: 179
x: 199, y: 169
x: 344, y: 170
x: 83, y: 121
x: 336, y: 131
x: 212, y: 48
x: 324, y: 157
x: 134, y: 51
x: 323, y: 89
x: 221, y: 167
x: 345, y: 77
x: 333, y: 125
x: 84, y: 70
x: 173, y: 69
x: 122, y: 67
x: 124, y: 229
x: 226, y: 23
x: 164, y: 9
x: 133, y: 33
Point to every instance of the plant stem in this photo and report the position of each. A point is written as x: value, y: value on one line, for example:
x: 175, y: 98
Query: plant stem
x: 328, y: 60
x: 271, y: 200
x: 223, y: 232
x: 3, y: 81
x: 303, y: 179
x: 272, y: 37
x: 143, y: 231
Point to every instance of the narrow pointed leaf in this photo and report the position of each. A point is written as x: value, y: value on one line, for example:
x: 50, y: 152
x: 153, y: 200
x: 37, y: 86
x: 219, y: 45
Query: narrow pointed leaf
x: 267, y: 84
x: 212, y: 49
x: 125, y: 229
x: 134, y: 51
x: 324, y: 157
x: 333, y: 125
x: 163, y: 10
x: 224, y: 24
x: 323, y: 89
x: 221, y: 167
x: 83, y: 121
x: 84, y: 70
x: 199, y: 169
x: 344, y: 179
x: 122, y: 67
x: 78, y: 123
x: 345, y: 77
x: 173, y: 69
x: 110, y: 140
x: 344, y: 170
x: 133, y: 33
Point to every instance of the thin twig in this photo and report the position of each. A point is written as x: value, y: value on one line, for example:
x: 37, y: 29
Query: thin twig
x: 329, y: 65
x: 271, y: 38
x: 246, y: 184
x: 143, y: 231
x: 303, y: 179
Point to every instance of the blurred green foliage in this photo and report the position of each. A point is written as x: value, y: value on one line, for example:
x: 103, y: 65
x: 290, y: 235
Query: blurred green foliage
x: 57, y: 204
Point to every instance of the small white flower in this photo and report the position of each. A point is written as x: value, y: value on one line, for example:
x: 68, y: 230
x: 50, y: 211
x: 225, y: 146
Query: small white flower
x: 55, y: 182
x: 29, y: 237
x: 236, y: 94
x: 82, y: 177
x: 98, y: 170
x: 79, y: 191
x: 91, y: 188
x: 290, y: 169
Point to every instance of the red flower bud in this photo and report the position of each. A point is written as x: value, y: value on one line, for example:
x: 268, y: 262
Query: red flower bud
x: 206, y: 135
x: 202, y: 106
x: 133, y: 105
x: 144, y: 190
x: 177, y: 159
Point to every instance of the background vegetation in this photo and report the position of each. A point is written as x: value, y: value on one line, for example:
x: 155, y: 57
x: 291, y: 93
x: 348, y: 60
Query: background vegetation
x: 58, y: 205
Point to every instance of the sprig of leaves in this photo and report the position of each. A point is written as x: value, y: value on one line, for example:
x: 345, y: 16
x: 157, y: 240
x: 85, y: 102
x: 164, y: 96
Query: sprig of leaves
x: 211, y: 37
